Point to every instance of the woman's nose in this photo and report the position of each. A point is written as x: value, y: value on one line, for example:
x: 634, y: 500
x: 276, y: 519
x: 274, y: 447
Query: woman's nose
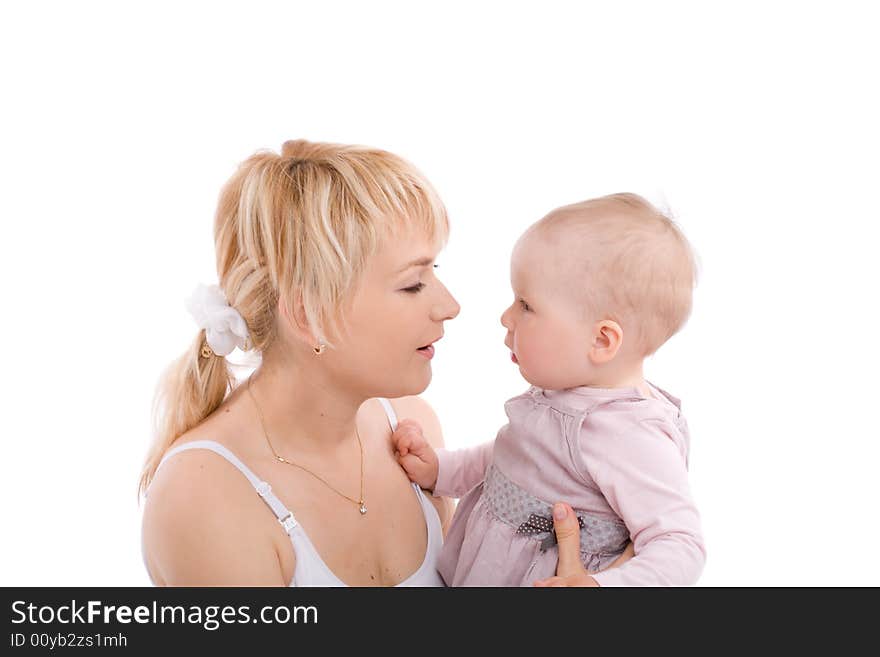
x: 446, y: 307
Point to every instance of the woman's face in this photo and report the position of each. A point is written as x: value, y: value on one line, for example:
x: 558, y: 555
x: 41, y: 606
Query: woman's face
x: 394, y: 320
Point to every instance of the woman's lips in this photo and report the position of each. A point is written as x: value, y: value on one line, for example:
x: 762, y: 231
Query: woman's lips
x: 513, y: 357
x: 427, y: 352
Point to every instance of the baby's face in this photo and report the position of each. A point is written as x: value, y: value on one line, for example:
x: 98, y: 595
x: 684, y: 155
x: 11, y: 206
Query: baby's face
x: 546, y: 331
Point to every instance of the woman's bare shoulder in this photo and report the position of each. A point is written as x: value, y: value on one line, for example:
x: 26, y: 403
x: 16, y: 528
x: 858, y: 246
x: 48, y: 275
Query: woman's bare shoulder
x: 202, y: 525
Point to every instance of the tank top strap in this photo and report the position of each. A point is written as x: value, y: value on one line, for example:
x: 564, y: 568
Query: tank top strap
x: 389, y: 411
x: 264, y: 490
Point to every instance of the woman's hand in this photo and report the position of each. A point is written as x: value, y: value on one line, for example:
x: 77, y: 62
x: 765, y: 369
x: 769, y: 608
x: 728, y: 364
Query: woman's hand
x: 569, y: 569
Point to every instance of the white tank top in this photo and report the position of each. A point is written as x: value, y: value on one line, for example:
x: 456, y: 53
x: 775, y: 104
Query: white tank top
x: 310, y: 569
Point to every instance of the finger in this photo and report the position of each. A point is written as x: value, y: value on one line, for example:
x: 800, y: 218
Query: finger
x: 413, y: 466
x: 418, y: 447
x: 408, y: 424
x: 550, y: 581
x: 625, y: 556
x: 413, y: 439
x: 410, y: 442
x: 554, y: 582
x: 568, y: 535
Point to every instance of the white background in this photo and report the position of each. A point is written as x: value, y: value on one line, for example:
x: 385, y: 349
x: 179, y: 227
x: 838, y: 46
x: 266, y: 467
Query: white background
x: 755, y: 123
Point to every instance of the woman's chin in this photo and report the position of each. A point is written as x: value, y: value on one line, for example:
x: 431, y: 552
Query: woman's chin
x: 414, y: 385
x: 425, y: 380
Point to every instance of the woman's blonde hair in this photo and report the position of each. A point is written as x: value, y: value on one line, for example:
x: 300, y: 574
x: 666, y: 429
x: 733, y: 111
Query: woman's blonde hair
x: 298, y: 227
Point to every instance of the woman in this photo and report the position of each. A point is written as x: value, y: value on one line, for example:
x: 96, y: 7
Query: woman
x: 325, y: 259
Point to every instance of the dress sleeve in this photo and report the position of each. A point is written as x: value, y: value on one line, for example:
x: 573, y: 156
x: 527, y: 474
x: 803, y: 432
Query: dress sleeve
x: 462, y: 469
x: 641, y: 470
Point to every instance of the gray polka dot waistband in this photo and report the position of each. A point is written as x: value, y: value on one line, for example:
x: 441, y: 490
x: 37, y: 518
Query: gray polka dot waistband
x: 533, y: 517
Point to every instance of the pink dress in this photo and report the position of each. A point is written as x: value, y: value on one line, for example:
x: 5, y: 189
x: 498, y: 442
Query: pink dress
x: 618, y: 458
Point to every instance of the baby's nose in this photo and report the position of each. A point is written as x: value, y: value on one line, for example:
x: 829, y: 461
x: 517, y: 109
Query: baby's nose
x: 505, y: 319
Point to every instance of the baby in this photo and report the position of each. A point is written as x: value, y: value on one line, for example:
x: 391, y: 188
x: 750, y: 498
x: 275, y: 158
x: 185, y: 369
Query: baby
x: 598, y: 287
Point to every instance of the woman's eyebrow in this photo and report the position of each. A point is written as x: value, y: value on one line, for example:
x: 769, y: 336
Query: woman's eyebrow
x: 421, y: 262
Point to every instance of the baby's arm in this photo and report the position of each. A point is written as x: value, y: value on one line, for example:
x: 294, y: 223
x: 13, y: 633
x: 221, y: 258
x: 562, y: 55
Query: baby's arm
x: 462, y: 469
x: 643, y: 475
x: 448, y: 473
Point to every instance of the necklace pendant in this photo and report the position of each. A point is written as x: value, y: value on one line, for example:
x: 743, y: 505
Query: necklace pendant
x: 363, y: 508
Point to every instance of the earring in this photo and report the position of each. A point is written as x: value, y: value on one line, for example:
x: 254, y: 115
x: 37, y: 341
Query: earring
x: 206, y: 351
x: 319, y: 349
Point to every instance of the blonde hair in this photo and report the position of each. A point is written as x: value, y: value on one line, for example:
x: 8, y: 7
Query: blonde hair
x: 638, y: 267
x: 294, y: 226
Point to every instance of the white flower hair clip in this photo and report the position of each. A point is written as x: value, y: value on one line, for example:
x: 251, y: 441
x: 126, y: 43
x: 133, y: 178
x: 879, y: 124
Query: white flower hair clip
x: 225, y: 329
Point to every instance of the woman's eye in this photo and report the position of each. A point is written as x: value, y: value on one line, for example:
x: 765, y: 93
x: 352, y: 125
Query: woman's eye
x: 525, y: 306
x: 418, y: 287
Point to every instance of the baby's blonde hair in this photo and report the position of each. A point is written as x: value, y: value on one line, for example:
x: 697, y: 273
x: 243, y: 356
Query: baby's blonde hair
x: 636, y: 265
x: 299, y: 225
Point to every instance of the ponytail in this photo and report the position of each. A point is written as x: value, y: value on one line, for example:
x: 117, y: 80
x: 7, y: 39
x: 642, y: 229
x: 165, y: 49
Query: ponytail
x: 190, y: 390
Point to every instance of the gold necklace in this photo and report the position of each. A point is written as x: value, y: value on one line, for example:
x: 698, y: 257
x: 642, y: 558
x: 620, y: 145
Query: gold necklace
x: 361, y: 506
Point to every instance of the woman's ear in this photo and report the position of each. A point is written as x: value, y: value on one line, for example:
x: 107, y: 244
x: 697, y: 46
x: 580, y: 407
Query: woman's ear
x: 294, y: 321
x: 606, y: 340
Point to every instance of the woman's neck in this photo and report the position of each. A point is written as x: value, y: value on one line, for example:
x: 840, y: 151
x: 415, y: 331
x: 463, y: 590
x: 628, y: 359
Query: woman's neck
x: 303, y: 412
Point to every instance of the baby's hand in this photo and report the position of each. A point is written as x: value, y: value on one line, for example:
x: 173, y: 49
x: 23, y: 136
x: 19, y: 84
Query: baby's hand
x: 415, y: 454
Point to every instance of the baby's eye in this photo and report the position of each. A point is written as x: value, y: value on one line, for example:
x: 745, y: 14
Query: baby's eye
x: 525, y: 306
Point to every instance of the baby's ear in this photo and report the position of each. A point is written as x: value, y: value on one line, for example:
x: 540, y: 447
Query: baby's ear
x: 606, y: 340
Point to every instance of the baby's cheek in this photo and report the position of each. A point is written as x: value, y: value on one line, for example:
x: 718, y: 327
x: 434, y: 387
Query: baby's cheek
x: 559, y: 359
x: 546, y: 349
x: 542, y: 356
